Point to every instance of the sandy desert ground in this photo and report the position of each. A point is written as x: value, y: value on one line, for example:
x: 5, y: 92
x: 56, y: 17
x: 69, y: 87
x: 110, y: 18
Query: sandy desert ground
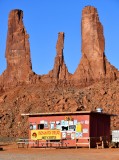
x: 12, y: 152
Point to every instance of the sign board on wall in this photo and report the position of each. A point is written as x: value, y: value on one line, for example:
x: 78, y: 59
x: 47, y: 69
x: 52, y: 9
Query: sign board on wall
x: 115, y: 136
x: 65, y: 128
x: 78, y: 127
x: 45, y: 134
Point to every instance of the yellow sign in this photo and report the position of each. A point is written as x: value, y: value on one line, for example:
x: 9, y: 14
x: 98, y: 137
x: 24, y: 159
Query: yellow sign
x: 45, y: 134
x: 78, y: 128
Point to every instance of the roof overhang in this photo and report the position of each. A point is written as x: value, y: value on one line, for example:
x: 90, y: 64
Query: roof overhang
x: 66, y: 113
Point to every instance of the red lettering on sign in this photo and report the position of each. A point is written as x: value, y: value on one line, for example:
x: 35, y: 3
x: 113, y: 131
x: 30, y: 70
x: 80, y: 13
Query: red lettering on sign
x: 58, y: 132
x: 49, y: 132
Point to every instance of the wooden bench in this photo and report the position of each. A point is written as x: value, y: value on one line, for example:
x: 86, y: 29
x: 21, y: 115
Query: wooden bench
x: 22, y: 144
x: 87, y: 143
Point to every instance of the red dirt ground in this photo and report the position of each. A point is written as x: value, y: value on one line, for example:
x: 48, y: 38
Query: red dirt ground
x: 12, y: 152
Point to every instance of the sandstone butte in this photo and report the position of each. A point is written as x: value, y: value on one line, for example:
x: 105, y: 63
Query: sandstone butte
x: 95, y: 83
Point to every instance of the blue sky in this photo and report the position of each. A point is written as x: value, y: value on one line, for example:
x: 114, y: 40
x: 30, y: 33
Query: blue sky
x: 43, y: 19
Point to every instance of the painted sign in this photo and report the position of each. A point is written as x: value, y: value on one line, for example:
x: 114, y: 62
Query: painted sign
x: 115, y: 136
x: 78, y: 135
x: 63, y: 134
x: 85, y: 130
x: 78, y: 127
x: 73, y: 135
x: 45, y: 134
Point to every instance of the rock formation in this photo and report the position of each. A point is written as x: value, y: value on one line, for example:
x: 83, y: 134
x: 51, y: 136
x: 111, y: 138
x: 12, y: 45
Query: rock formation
x: 93, y: 65
x: 60, y: 70
x: 58, y: 90
x: 17, y: 51
x: 59, y: 73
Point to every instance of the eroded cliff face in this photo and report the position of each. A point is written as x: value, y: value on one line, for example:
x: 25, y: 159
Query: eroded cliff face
x: 93, y: 65
x: 17, y: 54
x: 94, y: 84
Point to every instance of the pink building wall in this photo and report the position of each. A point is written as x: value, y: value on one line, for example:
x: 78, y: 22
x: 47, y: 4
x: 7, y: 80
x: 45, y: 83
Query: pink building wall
x: 92, y: 125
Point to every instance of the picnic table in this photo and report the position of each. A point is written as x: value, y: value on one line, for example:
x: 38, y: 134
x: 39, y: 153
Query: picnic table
x: 24, y: 142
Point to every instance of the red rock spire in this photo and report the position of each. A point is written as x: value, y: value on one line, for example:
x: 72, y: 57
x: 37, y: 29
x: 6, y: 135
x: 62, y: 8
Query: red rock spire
x: 17, y: 50
x: 60, y: 71
x: 93, y: 65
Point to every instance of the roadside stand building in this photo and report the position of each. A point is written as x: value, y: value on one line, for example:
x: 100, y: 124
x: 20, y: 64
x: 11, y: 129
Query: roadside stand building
x: 69, y: 129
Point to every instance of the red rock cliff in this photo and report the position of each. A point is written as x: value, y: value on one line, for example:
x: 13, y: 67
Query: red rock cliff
x: 93, y: 65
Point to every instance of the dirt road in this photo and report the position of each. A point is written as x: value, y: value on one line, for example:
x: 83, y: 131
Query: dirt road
x: 11, y: 152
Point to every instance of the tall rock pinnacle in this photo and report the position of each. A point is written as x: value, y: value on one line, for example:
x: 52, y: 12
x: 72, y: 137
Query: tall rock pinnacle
x: 17, y: 50
x: 60, y: 71
x: 93, y: 65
